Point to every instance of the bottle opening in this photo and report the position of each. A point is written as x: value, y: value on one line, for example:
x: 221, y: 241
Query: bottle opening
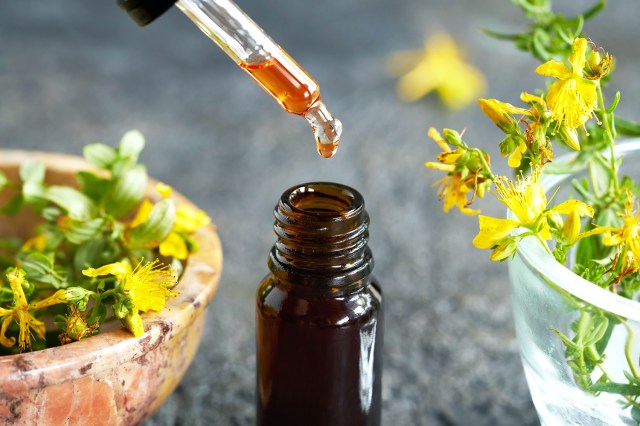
x: 322, y: 198
x: 322, y: 235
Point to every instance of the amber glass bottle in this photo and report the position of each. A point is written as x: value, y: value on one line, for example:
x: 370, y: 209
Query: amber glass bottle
x: 319, y: 314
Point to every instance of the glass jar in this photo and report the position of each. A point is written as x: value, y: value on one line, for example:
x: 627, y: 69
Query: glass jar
x: 549, y: 298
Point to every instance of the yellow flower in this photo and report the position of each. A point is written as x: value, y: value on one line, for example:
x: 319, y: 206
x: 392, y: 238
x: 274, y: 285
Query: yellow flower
x: 187, y: 221
x: 19, y: 313
x: 627, y: 236
x: 526, y: 199
x: 142, y: 214
x: 438, y: 66
x: 37, y: 243
x: 572, y: 98
x: 454, y: 189
x: 148, y: 286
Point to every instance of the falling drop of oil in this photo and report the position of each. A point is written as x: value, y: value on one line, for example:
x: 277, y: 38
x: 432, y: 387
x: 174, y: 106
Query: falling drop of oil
x: 326, y: 129
x: 326, y: 150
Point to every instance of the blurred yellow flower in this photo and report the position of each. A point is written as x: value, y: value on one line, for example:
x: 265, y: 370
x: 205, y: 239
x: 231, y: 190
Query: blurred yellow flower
x: 439, y: 67
x: 187, y: 221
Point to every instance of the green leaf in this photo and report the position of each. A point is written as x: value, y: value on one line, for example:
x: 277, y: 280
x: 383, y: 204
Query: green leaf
x: 77, y: 205
x: 572, y: 165
x: 585, y: 250
x: 32, y: 171
x: 6, y: 295
x: 635, y: 413
x: 570, y: 344
x: 595, y: 9
x: 33, y: 190
x: 95, y: 253
x: 13, y: 206
x: 98, y: 314
x: 615, y: 102
x: 131, y: 145
x: 156, y: 228
x: 127, y: 191
x: 40, y: 268
x: 600, y: 175
x: 100, y: 155
x: 618, y: 388
x: 597, y: 330
x: 93, y: 186
x: 34, y: 193
x: 3, y: 180
x: 627, y: 127
x: 601, y: 346
x: 80, y: 231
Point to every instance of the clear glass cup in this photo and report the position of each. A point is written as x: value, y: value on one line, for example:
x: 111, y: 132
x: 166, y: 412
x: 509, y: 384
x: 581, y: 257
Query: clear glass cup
x: 544, y: 296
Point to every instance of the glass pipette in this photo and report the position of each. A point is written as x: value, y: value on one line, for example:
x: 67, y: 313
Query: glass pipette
x: 258, y: 55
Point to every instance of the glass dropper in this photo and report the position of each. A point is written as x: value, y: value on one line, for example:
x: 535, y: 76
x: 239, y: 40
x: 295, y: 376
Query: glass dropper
x: 258, y: 55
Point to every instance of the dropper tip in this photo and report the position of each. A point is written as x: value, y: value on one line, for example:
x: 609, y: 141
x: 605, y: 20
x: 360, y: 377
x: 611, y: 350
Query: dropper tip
x: 326, y: 129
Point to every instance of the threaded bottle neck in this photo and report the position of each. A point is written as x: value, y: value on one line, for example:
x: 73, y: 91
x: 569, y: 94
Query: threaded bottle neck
x: 322, y: 234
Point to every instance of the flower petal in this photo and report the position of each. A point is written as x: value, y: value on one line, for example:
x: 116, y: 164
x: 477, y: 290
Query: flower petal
x: 578, y: 58
x: 583, y: 209
x: 133, y: 322
x: 119, y: 269
x: 492, y: 230
x: 554, y: 69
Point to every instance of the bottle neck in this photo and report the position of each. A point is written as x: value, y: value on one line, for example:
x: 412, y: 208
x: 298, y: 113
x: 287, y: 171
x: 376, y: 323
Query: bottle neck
x: 322, y: 234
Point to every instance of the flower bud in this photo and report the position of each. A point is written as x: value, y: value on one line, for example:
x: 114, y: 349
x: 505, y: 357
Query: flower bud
x: 76, y: 295
x: 569, y: 137
x: 453, y: 137
x: 598, y: 66
x: 123, y: 307
x: 76, y: 328
x: 501, y: 113
x: 505, y: 249
x: 571, y: 228
x: 555, y: 220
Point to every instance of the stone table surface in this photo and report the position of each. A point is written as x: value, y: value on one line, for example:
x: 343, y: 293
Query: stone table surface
x: 74, y: 72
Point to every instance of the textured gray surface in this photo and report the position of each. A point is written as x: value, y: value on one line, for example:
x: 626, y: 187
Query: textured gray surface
x: 75, y: 72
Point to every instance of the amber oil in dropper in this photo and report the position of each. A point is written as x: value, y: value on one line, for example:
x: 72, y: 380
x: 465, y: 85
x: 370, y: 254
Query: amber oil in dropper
x: 319, y: 314
x: 298, y: 93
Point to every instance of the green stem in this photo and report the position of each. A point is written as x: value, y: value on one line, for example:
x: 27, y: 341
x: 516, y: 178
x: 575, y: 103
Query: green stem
x: 628, y: 347
x: 543, y: 242
x: 609, y: 137
x: 485, y: 165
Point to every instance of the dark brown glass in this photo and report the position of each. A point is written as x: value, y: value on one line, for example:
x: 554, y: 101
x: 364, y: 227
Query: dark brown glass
x: 319, y: 314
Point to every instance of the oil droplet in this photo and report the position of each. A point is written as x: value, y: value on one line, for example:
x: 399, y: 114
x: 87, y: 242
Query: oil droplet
x: 326, y: 129
x: 326, y: 150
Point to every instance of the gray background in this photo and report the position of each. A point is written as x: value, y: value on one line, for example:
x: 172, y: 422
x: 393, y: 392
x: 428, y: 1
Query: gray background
x: 74, y: 72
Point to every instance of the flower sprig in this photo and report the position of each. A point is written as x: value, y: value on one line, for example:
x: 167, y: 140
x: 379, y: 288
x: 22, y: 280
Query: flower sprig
x: 600, y: 228
x: 103, y: 248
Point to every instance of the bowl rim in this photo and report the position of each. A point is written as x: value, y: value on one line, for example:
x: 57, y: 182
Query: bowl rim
x: 197, y: 285
x: 532, y: 252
